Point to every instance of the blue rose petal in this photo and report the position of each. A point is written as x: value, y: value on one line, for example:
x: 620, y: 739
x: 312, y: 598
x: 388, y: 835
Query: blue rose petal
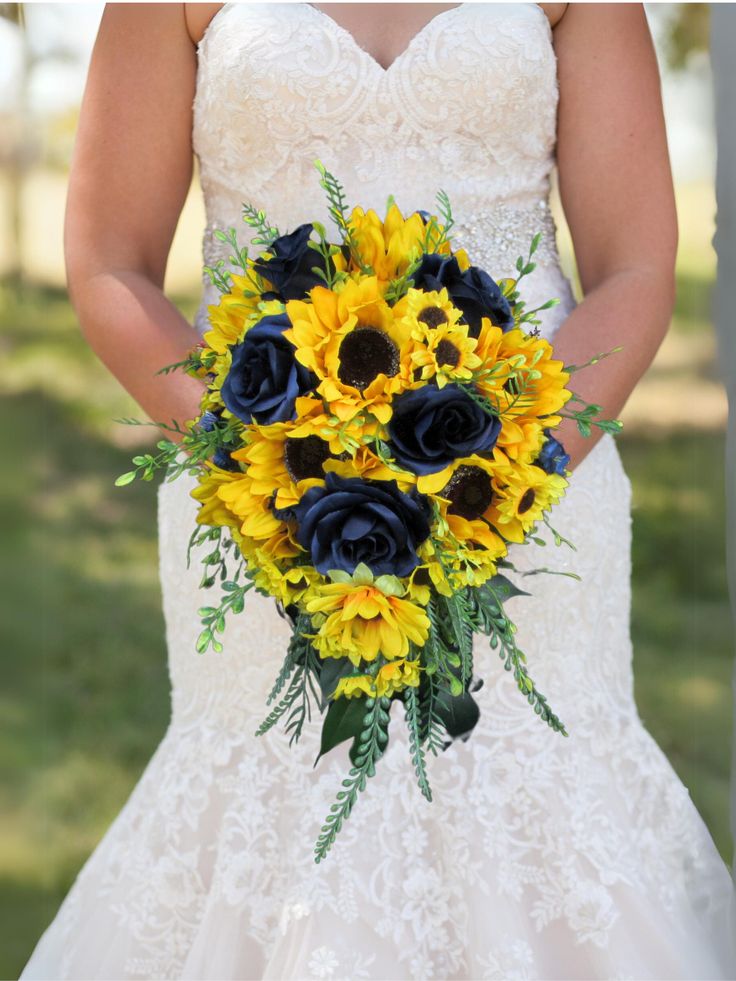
x: 431, y: 427
x: 349, y: 520
x: 265, y: 379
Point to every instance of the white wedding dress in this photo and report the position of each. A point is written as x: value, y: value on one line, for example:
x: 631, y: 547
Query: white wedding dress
x: 540, y: 857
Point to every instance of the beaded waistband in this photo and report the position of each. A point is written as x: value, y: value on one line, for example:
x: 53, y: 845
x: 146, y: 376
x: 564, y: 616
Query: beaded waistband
x: 495, y: 236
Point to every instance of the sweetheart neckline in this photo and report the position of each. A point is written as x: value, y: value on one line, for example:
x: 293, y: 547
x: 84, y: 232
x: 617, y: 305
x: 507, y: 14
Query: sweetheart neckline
x: 385, y: 70
x: 343, y: 31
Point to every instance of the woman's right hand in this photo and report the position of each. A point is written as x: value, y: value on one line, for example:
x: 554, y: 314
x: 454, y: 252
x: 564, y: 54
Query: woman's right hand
x: 130, y: 174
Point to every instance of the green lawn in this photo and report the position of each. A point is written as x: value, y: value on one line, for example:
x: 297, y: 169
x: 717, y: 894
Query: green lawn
x: 85, y: 694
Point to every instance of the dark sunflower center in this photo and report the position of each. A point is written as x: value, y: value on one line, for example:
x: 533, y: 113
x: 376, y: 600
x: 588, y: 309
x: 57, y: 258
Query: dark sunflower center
x: 303, y: 457
x: 527, y: 500
x: 432, y: 316
x: 469, y: 492
x: 447, y: 353
x: 365, y: 353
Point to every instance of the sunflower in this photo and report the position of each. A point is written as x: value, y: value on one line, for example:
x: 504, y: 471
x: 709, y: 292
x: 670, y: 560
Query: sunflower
x: 524, y: 383
x: 365, y: 463
x: 286, y: 583
x: 387, y: 247
x: 257, y: 520
x: 427, y: 308
x: 351, y: 340
x: 428, y: 574
x: 213, y: 510
x: 362, y: 618
x: 390, y: 678
x: 438, y: 344
x: 522, y: 493
x: 466, y: 535
x: 444, y: 353
x: 280, y: 465
x: 232, y: 314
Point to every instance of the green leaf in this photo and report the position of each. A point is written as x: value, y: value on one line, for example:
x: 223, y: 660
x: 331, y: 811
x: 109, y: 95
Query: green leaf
x: 458, y: 713
x: 125, y: 478
x: 203, y: 641
x: 344, y: 720
x: 505, y: 588
x: 331, y: 670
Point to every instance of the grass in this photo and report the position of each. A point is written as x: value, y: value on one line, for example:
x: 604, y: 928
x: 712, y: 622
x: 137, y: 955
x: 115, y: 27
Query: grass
x: 85, y: 697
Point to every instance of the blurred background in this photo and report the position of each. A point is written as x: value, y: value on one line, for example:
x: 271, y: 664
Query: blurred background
x: 85, y: 696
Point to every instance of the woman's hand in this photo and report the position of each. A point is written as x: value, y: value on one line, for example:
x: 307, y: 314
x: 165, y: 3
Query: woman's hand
x: 616, y: 191
x: 131, y: 171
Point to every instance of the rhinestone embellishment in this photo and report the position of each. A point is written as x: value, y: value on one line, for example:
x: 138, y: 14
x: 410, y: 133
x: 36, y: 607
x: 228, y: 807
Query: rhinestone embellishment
x: 495, y: 236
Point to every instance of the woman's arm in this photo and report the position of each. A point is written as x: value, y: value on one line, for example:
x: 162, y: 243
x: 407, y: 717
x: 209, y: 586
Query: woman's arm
x: 616, y: 191
x: 130, y: 175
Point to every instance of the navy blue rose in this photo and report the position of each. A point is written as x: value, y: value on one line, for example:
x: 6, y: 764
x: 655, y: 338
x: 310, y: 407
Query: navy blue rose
x: 289, y: 267
x: 222, y: 459
x: 430, y: 427
x: 265, y: 379
x: 552, y: 457
x: 350, y: 520
x: 472, y: 291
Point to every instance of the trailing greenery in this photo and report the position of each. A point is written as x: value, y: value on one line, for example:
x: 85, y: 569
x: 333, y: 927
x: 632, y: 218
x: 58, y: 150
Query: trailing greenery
x: 413, y: 722
x: 501, y: 630
x: 187, y: 456
x: 213, y: 617
x: 297, y: 701
x: 293, y: 655
x: 371, y: 745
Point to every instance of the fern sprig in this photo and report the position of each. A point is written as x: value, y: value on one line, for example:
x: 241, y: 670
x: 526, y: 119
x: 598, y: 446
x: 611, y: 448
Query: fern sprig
x: 411, y: 705
x: 502, y: 637
x: 265, y: 233
x: 371, y: 745
x: 337, y: 207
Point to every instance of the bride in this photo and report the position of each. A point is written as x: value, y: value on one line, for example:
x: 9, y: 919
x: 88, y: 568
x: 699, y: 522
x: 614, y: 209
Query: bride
x: 539, y: 857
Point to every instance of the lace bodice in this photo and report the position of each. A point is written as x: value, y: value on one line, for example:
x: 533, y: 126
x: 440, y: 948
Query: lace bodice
x: 481, y: 126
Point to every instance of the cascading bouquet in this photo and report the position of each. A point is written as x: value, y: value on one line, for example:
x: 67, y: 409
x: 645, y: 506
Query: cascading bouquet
x: 376, y: 429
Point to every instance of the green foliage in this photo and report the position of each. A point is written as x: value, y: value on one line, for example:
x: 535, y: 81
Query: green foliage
x: 344, y: 720
x: 586, y: 418
x: 337, y: 207
x: 303, y: 686
x: 187, y: 456
x: 214, y: 617
x: 294, y: 653
x: 265, y: 235
x: 414, y: 726
x: 372, y: 743
x: 493, y: 620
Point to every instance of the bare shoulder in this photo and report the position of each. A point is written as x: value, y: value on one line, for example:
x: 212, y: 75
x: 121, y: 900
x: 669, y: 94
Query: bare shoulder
x: 554, y: 12
x: 198, y: 17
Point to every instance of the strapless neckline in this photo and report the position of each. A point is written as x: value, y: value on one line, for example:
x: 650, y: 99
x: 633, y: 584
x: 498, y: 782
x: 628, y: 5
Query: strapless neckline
x: 436, y: 22
x: 342, y: 32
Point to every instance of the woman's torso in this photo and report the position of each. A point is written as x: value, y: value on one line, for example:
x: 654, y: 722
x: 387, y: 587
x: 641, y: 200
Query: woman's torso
x: 480, y: 127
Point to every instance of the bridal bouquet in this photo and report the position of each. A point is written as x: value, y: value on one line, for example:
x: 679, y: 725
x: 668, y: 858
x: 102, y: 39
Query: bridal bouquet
x: 377, y: 428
